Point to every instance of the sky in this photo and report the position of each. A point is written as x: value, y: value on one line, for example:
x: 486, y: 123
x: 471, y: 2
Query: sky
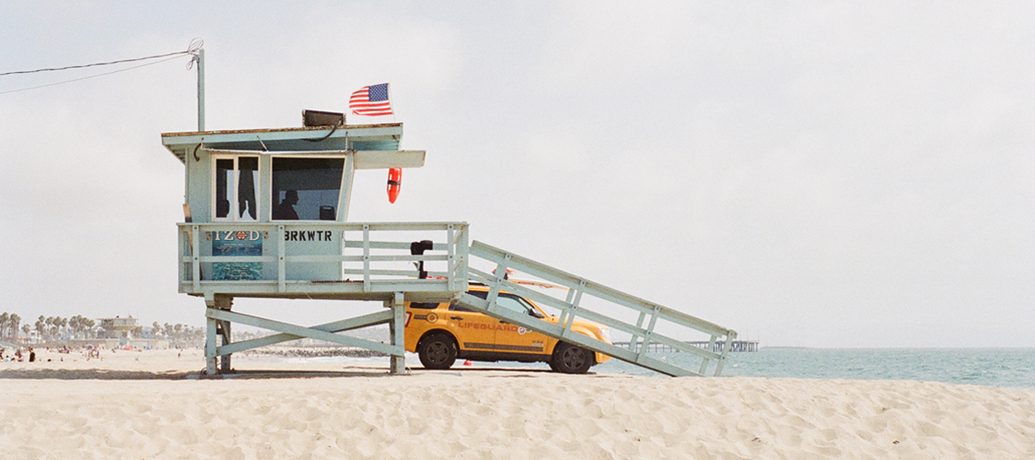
x: 818, y: 174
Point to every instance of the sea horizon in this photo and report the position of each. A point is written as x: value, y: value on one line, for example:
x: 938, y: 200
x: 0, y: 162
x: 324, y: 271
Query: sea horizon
x: 1000, y: 367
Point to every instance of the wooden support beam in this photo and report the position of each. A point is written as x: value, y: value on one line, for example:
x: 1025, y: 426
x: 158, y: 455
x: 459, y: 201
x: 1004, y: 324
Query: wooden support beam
x: 214, y: 314
x: 397, y: 329
x: 224, y: 360
x: 214, y: 302
x: 358, y: 322
x: 210, y: 347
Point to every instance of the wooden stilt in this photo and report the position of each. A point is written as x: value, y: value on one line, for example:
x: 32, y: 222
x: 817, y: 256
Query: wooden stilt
x: 215, y: 329
x: 210, y: 347
x: 397, y: 331
x: 224, y: 360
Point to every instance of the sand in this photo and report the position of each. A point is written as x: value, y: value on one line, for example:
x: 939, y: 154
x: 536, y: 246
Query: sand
x: 144, y: 405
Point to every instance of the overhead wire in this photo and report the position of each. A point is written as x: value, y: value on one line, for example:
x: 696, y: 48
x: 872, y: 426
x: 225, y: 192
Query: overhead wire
x: 192, y: 49
x: 86, y: 78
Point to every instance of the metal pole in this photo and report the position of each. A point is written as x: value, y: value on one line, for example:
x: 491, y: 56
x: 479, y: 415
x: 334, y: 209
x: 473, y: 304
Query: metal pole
x: 201, y: 89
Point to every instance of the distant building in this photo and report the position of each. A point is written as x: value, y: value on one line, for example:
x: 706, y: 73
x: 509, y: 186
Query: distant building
x: 120, y: 328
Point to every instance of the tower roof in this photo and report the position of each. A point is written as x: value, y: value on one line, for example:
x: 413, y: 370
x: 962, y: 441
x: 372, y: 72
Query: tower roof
x: 383, y: 136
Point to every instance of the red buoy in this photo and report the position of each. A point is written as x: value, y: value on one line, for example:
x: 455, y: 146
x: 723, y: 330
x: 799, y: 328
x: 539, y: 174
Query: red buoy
x: 395, y: 179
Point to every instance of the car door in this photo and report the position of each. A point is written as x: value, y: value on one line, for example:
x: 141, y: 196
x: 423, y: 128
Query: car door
x: 512, y: 338
x: 474, y: 331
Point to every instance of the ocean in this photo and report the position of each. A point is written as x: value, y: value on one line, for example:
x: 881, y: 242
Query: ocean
x: 992, y: 367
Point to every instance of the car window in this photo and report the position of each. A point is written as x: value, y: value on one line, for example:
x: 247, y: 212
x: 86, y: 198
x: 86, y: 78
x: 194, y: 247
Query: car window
x: 424, y: 305
x: 508, y: 301
x: 513, y: 302
x: 453, y: 306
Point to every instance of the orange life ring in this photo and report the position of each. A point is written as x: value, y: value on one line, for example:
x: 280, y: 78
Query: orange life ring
x: 395, y: 177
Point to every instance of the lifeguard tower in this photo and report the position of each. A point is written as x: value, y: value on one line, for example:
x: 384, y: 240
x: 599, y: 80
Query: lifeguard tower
x: 266, y: 215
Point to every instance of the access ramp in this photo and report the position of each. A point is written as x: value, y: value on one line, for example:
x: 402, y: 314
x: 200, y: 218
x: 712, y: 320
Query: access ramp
x: 644, y: 322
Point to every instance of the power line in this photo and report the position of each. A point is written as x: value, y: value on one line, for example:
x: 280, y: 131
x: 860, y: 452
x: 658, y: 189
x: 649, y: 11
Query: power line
x: 87, y: 78
x: 192, y: 49
x: 194, y: 46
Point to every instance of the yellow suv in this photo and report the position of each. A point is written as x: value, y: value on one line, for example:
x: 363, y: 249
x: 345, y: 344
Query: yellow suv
x: 442, y: 332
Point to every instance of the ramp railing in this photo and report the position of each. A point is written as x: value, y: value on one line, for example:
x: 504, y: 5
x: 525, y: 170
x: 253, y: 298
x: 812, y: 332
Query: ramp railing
x: 592, y: 301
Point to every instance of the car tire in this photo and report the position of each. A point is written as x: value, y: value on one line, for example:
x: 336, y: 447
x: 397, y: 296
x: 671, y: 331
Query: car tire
x: 437, y: 351
x: 570, y: 359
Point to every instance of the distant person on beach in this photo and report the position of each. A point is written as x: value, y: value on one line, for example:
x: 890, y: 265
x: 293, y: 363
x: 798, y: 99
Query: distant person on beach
x: 32, y: 355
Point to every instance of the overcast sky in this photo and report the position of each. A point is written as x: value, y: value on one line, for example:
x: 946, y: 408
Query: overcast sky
x: 825, y: 174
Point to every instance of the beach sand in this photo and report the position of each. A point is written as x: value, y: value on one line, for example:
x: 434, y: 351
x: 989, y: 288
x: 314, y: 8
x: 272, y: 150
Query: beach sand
x: 147, y: 405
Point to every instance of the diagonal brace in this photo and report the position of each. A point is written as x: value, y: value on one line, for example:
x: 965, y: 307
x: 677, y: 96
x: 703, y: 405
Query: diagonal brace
x: 300, y: 331
x: 336, y: 326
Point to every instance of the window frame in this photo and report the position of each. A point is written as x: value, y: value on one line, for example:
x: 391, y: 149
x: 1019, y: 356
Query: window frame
x: 234, y: 213
x: 270, y: 199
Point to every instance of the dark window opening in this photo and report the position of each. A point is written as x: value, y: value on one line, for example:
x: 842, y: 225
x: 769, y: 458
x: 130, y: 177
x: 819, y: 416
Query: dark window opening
x: 249, y: 175
x: 235, y: 188
x: 224, y: 175
x: 306, y: 188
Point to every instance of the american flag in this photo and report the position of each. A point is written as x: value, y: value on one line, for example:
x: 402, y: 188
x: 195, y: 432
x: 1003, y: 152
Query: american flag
x: 371, y: 101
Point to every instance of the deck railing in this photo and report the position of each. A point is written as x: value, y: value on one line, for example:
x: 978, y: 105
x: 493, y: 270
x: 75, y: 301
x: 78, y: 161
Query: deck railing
x: 317, y: 259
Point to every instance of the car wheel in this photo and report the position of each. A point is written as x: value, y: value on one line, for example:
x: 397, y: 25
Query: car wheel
x: 437, y: 351
x: 569, y: 359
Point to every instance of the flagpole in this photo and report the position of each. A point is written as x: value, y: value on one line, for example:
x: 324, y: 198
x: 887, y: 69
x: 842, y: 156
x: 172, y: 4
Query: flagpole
x: 390, y: 104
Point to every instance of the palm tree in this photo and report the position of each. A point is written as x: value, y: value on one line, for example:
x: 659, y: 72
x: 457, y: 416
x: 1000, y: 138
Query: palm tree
x: 76, y: 323
x: 14, y: 321
x: 3, y: 324
x: 89, y: 323
x: 41, y: 324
